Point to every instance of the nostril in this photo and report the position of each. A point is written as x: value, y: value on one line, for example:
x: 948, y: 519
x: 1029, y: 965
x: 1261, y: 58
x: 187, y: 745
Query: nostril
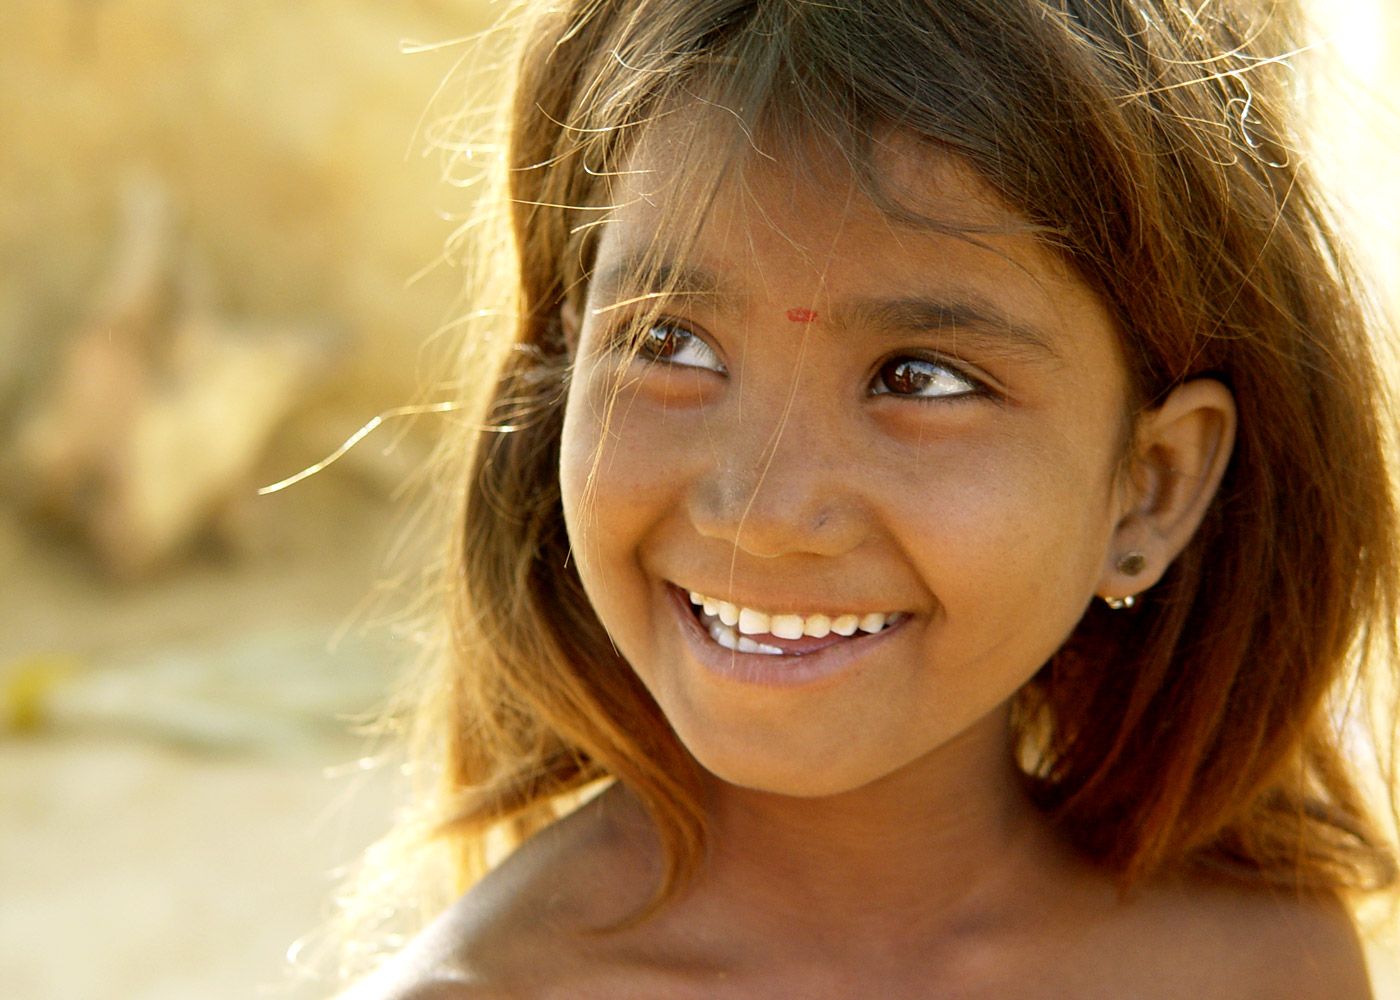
x: 777, y: 510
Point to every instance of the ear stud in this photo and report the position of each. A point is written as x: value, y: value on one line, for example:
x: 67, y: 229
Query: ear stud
x: 1131, y: 563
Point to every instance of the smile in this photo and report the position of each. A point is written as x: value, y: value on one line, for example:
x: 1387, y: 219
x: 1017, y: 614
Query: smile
x: 748, y: 630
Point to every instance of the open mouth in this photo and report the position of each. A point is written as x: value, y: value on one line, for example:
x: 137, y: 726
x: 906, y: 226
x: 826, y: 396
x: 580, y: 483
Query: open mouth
x: 750, y: 630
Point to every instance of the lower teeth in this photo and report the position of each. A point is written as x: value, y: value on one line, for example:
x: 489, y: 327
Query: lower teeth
x: 729, y: 639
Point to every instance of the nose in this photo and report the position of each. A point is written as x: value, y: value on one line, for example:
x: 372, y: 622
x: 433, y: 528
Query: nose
x: 781, y: 486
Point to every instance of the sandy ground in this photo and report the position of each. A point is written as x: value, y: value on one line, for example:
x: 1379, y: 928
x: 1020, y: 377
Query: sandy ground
x: 134, y: 869
x: 171, y: 822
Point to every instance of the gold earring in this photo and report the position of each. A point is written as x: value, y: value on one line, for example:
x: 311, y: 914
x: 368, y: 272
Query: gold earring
x: 1129, y: 564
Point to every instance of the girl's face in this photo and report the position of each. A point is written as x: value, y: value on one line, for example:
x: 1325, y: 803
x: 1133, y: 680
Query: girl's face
x: 839, y: 421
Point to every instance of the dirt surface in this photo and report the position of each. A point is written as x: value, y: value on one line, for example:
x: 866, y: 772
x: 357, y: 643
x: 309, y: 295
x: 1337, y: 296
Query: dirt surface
x: 137, y: 869
x: 177, y: 767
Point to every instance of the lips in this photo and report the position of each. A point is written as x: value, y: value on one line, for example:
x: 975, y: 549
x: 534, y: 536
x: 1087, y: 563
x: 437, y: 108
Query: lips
x: 797, y: 663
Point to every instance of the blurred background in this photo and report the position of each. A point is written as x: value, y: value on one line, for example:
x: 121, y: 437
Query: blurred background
x: 218, y: 229
x: 220, y: 232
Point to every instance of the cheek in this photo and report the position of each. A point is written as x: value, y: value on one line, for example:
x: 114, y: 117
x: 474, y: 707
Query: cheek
x: 1010, y: 525
x: 577, y: 448
x: 609, y: 465
x: 610, y: 484
x: 584, y: 492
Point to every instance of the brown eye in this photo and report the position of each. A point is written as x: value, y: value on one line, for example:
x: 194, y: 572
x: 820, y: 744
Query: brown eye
x: 910, y: 376
x: 673, y: 344
x: 661, y: 341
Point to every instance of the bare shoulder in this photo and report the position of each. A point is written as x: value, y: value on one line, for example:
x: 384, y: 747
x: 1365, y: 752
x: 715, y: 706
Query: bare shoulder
x: 430, y: 968
x: 1251, y: 944
x: 582, y: 873
x: 405, y: 983
x: 1309, y: 947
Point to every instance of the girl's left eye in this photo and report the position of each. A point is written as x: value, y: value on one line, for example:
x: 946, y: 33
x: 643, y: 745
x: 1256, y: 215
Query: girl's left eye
x: 922, y: 378
x: 675, y: 345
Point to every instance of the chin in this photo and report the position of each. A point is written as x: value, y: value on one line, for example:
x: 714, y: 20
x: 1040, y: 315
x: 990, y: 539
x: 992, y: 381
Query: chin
x: 781, y: 774
x: 789, y: 786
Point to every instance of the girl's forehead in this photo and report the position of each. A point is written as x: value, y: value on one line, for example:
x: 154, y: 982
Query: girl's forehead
x: 684, y: 193
x: 682, y: 166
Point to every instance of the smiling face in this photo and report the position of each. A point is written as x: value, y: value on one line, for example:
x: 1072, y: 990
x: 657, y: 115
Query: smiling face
x: 837, y: 420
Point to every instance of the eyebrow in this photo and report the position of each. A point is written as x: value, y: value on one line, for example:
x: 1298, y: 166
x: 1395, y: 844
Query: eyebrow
x: 636, y: 277
x: 960, y: 314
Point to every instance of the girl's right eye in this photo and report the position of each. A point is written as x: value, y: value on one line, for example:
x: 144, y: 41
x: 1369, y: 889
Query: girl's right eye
x: 673, y: 344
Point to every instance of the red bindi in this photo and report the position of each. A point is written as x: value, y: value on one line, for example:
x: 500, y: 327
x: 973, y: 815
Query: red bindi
x: 800, y: 315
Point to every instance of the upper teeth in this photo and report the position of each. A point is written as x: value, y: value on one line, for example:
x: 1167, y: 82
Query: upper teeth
x: 789, y: 626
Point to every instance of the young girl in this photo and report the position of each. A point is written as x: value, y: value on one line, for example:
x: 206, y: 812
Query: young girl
x: 936, y: 488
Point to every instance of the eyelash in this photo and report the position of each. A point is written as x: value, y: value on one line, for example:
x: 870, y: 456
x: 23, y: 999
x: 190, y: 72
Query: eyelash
x: 977, y: 388
x: 687, y: 338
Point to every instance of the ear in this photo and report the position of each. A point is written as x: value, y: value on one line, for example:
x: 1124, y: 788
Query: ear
x: 1179, y: 456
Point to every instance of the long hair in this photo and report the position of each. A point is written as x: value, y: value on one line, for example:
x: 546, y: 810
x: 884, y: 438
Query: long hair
x: 1150, y: 143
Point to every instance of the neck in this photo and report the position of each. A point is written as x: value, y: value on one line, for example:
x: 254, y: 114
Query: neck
x: 949, y: 842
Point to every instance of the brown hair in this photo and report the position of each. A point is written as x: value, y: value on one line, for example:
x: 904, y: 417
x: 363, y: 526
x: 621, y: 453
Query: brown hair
x: 1149, y: 142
